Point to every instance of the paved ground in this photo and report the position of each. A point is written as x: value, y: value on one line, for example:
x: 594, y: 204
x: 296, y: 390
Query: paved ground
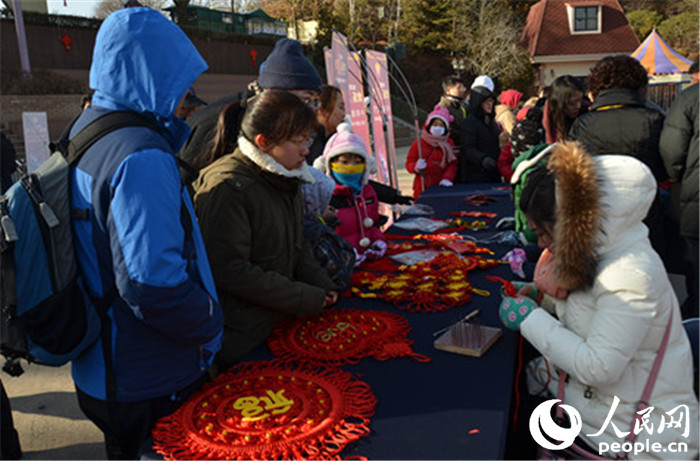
x: 45, y: 407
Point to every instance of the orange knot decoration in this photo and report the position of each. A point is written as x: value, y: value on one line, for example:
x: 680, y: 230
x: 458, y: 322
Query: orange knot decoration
x: 336, y: 337
x: 433, y: 286
x: 269, y: 410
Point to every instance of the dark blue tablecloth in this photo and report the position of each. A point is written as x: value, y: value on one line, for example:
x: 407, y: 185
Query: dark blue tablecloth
x: 430, y: 410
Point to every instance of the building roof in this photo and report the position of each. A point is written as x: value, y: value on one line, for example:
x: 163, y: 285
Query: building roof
x: 260, y: 14
x: 547, y: 32
x: 658, y: 57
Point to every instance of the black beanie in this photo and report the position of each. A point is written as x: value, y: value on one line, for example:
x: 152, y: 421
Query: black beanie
x: 287, y: 68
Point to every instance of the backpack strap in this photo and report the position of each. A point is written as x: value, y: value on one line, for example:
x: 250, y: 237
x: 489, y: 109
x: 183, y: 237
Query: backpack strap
x: 98, y: 128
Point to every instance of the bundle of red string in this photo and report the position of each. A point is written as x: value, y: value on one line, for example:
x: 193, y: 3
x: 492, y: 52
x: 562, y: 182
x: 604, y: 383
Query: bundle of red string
x: 269, y: 410
x: 336, y: 337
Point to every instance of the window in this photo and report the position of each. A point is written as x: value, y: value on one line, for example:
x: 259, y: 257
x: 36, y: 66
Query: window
x: 586, y: 18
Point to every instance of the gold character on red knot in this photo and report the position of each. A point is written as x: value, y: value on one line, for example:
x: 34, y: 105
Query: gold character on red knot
x: 331, y: 332
x: 251, y: 409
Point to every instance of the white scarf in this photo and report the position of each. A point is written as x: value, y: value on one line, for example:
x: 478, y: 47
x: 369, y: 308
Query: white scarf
x: 268, y: 163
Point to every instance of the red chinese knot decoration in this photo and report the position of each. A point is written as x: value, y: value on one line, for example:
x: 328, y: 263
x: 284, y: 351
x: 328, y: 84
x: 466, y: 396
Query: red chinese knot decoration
x: 437, y: 285
x: 340, y: 336
x: 67, y: 41
x: 269, y: 410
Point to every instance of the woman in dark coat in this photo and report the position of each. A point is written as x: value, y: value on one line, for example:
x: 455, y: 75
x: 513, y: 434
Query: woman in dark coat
x: 620, y: 122
x: 250, y: 209
x: 480, y: 149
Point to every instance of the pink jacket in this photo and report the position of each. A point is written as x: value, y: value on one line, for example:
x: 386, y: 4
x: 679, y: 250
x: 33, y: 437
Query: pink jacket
x: 353, y: 217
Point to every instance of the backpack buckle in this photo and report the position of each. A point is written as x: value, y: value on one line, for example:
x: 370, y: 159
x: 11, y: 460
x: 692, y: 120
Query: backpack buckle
x: 8, y: 229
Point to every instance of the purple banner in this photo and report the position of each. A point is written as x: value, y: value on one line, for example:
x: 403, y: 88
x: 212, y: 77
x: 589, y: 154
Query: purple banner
x: 378, y: 81
x: 328, y: 58
x: 339, y: 50
x: 356, y: 94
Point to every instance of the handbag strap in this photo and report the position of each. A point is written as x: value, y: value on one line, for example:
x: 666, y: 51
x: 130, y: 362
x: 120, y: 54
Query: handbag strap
x: 653, y: 374
x: 644, y: 399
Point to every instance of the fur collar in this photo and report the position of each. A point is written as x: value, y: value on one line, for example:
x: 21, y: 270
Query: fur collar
x: 578, y: 211
x: 268, y: 163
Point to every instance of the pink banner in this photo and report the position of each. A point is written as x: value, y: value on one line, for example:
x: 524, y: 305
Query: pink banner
x: 328, y: 58
x: 339, y: 50
x: 356, y: 95
x: 378, y: 82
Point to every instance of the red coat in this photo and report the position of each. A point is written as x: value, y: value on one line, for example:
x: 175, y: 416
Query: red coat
x: 433, y: 173
x: 505, y: 162
x: 352, y: 211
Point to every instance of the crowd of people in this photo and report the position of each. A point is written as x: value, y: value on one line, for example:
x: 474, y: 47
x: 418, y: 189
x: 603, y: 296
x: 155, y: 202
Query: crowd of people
x: 197, y: 267
x: 603, y: 178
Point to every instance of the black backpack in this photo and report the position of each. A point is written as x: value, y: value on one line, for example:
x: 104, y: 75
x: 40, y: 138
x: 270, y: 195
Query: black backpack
x: 335, y: 254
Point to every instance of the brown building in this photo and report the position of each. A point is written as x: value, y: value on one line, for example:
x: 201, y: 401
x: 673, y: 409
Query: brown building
x: 570, y: 36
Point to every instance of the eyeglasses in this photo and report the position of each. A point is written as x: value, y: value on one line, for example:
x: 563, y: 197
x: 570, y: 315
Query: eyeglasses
x: 314, y: 104
x: 304, y: 143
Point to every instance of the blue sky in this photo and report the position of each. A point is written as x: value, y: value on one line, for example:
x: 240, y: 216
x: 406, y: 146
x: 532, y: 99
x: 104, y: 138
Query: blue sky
x: 72, y: 7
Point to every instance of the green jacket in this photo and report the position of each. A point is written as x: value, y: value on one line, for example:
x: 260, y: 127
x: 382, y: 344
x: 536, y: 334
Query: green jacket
x: 251, y: 221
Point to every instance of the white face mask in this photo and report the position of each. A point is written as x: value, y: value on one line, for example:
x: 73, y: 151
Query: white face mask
x: 436, y: 130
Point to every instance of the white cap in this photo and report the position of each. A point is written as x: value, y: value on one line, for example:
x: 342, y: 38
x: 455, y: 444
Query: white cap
x: 485, y: 81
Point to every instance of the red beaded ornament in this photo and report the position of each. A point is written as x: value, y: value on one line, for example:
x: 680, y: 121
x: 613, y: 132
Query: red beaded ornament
x: 269, y: 410
x: 337, y: 337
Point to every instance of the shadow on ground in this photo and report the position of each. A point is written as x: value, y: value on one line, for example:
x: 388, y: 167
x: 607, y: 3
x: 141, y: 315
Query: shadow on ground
x: 86, y: 451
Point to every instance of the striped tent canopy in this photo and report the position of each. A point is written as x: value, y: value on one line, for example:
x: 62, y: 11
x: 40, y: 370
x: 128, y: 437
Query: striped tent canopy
x: 658, y: 57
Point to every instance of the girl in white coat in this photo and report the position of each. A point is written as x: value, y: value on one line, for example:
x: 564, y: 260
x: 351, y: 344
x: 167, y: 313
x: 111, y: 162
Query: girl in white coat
x: 615, y: 302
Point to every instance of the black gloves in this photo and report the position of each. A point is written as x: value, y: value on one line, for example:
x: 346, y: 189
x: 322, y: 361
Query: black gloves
x: 489, y: 165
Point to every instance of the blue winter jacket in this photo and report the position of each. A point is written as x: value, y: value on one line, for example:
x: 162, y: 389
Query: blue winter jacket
x: 166, y: 315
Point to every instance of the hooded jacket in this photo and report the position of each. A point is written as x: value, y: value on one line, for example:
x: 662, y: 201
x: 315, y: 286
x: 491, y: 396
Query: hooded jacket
x: 166, y: 308
x: 505, y: 113
x: 251, y: 210
x: 607, y: 331
x: 680, y: 147
x: 479, y: 140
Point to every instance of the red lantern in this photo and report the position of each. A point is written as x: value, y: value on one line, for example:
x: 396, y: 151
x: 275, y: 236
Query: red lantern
x: 253, y: 56
x: 67, y: 41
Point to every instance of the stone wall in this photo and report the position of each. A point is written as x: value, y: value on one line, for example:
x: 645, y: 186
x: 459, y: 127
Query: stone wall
x: 46, y: 51
x: 60, y: 110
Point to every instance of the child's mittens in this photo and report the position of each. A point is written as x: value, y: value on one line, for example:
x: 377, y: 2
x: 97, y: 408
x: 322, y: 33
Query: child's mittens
x: 421, y: 165
x: 528, y: 290
x: 513, y: 311
x: 446, y: 183
x: 376, y: 250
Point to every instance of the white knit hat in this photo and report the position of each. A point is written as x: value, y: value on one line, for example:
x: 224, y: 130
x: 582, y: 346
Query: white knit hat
x: 485, y: 81
x: 344, y: 141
